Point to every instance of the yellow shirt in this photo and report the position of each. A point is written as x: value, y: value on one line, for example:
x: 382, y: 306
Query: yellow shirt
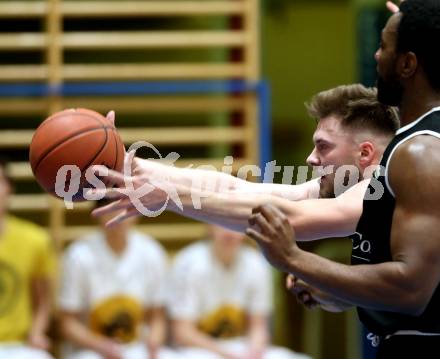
x: 25, y: 253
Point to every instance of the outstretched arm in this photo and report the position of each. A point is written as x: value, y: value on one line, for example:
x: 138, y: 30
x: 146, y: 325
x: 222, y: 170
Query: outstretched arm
x: 415, y: 241
x: 218, y: 181
x: 313, y: 219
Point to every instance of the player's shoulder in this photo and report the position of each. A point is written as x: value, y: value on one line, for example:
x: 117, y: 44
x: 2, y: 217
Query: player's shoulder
x: 415, y: 163
x: 144, y: 241
x: 420, y: 146
x: 84, y: 247
x: 145, y: 245
x: 195, y: 255
x: 418, y: 154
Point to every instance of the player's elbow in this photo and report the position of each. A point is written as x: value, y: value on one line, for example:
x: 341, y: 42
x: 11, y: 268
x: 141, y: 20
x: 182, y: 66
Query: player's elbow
x: 415, y: 303
x: 412, y: 295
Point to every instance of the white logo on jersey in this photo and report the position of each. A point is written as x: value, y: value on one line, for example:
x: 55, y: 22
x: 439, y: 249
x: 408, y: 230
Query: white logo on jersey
x: 362, y: 245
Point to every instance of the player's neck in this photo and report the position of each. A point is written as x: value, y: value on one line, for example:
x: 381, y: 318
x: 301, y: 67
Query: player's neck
x: 117, y: 242
x: 226, y: 258
x: 416, y: 104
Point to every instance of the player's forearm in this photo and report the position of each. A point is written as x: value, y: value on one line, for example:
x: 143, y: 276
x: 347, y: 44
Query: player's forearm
x: 41, y: 318
x: 211, y: 180
x: 318, y: 218
x: 297, y: 192
x: 258, y: 336
x: 231, y: 210
x: 384, y: 286
x: 43, y: 305
x: 218, y: 181
x: 79, y: 334
x: 189, y: 336
x: 157, y: 332
x: 324, y: 218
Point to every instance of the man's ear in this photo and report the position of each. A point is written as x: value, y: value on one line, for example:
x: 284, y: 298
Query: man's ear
x: 407, y: 65
x: 367, y: 153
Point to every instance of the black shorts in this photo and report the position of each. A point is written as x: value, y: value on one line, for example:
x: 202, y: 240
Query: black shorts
x: 409, y: 346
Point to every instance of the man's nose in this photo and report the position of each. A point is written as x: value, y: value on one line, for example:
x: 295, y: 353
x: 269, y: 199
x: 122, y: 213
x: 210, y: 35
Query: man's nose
x: 313, y: 159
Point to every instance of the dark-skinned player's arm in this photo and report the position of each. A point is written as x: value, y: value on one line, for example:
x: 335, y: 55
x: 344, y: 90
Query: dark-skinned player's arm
x: 404, y: 284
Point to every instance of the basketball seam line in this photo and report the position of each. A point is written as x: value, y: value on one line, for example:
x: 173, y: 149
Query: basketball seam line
x: 48, y: 151
x: 93, y: 159
x: 102, y: 125
x: 99, y: 152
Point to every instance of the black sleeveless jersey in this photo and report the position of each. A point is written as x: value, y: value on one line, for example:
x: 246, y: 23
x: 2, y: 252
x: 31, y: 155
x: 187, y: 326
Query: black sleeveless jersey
x: 371, y: 242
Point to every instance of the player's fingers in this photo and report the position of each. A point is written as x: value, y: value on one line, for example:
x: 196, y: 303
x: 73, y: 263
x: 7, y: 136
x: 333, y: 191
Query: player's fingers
x: 111, y: 117
x: 299, y: 297
x: 255, y: 235
x: 392, y: 7
x: 256, y: 209
x: 304, y: 297
x: 300, y: 286
x: 129, y: 161
x: 132, y: 212
x: 110, y: 176
x: 289, y: 281
x: 257, y: 220
x: 138, y: 169
x: 311, y: 304
x: 122, y: 204
x: 272, y: 210
x: 272, y: 214
x: 109, y: 193
x: 252, y: 220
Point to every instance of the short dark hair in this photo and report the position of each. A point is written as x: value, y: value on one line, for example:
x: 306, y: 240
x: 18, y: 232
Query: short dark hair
x: 418, y: 32
x: 358, y: 108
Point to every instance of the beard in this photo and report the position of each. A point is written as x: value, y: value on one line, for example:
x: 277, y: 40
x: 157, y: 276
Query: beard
x: 330, y: 188
x: 326, y: 187
x: 390, y: 91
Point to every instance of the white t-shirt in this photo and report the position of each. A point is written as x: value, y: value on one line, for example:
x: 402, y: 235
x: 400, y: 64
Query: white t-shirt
x: 217, y: 297
x: 113, y: 291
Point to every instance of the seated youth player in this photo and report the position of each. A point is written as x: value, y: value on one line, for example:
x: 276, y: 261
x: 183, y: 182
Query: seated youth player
x: 112, y: 296
x: 27, y: 268
x: 220, y: 301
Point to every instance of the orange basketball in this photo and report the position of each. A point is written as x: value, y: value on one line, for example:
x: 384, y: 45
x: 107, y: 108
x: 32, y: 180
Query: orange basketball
x: 73, y: 139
